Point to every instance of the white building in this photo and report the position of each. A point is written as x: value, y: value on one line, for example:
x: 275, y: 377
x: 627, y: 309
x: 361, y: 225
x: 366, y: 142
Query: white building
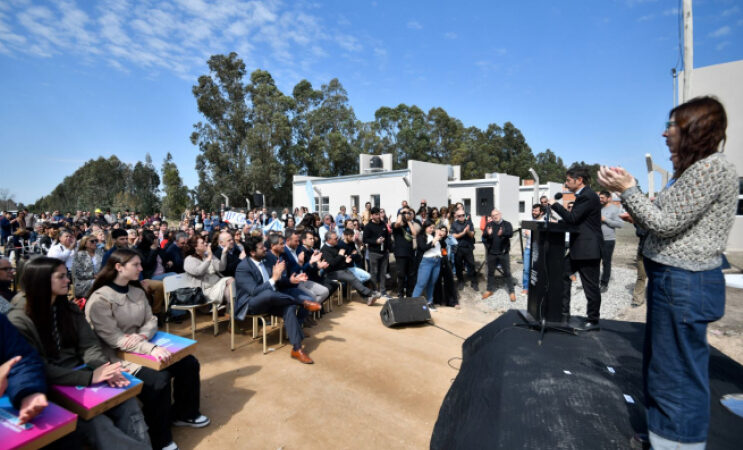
x: 378, y: 184
x: 723, y: 81
x: 479, y: 197
x: 527, y: 197
x: 438, y: 184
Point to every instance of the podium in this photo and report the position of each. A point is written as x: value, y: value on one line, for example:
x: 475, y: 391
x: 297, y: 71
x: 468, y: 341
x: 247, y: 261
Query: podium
x: 546, y: 276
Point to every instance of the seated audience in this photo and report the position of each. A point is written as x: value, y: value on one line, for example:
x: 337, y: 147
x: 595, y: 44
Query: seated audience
x: 295, y: 261
x: 338, y: 264
x: 174, y: 253
x: 257, y: 294
x: 120, y: 315
x: 226, y: 244
x: 57, y: 329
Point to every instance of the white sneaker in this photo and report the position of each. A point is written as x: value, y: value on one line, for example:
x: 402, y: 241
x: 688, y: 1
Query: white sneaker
x: 431, y: 307
x: 198, y: 422
x: 171, y: 446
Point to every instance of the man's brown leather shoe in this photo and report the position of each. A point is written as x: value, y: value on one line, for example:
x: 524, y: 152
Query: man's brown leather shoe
x: 311, y: 306
x: 512, y: 296
x: 486, y: 294
x: 302, y: 357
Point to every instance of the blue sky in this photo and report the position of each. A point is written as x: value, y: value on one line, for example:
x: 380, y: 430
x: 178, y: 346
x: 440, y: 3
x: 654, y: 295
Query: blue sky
x: 589, y: 80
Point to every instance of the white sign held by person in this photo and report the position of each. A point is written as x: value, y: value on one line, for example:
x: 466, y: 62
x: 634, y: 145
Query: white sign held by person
x: 234, y: 218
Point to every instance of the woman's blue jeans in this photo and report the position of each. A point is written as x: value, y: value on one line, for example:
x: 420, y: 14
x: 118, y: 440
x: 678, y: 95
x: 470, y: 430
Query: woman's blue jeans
x: 680, y: 304
x: 428, y: 273
x: 527, y: 268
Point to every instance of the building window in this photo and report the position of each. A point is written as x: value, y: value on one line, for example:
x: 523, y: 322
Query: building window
x: 322, y: 205
x: 375, y: 201
x: 467, y: 203
x: 522, y: 206
x: 355, y: 202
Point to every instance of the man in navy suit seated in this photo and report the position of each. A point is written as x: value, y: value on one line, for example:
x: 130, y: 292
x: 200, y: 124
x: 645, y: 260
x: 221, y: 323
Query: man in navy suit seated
x: 257, y: 294
x: 297, y: 263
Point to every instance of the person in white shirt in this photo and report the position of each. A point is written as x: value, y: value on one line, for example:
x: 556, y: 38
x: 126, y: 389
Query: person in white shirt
x: 64, y: 250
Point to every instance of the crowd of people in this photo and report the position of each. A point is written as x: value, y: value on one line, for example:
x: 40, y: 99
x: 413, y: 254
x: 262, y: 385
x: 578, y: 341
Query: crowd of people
x: 288, y: 264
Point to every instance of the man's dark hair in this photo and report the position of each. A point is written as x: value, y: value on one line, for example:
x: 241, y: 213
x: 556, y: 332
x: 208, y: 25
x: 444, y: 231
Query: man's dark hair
x: 605, y: 194
x: 305, y: 233
x: 348, y: 232
x: 252, y: 243
x: 579, y: 171
x: 536, y: 205
x: 374, y: 210
x: 544, y: 196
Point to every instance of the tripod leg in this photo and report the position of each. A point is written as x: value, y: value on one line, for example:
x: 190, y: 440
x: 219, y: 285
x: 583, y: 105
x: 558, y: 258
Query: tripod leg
x: 541, y: 331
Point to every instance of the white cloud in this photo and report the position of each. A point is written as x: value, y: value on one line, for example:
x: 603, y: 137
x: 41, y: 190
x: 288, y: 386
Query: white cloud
x: 380, y: 52
x: 671, y: 12
x: 646, y: 18
x: 722, y: 45
x: 731, y: 11
x: 720, y: 32
x: 415, y: 25
x: 175, y: 35
x: 450, y: 35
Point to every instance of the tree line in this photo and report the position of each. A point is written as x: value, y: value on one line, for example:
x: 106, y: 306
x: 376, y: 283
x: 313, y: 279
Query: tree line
x: 256, y: 138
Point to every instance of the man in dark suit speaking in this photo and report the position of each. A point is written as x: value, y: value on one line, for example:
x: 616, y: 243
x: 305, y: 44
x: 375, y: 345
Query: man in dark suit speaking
x: 257, y: 294
x: 585, y: 245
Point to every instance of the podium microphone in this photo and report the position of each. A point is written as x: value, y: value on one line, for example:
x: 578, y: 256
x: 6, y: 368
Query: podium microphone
x: 558, y: 196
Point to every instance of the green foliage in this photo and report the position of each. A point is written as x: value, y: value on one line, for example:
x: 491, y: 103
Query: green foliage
x: 176, y: 198
x: 550, y: 167
x: 105, y: 183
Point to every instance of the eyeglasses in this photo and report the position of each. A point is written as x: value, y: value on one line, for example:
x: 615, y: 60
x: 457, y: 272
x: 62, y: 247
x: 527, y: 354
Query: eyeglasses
x: 670, y: 123
x: 95, y: 241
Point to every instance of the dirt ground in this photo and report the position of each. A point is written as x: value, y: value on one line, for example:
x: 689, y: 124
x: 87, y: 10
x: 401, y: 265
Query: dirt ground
x: 370, y: 386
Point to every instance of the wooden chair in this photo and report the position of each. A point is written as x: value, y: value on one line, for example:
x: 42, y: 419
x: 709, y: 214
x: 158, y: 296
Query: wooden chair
x: 275, y: 321
x: 174, y: 282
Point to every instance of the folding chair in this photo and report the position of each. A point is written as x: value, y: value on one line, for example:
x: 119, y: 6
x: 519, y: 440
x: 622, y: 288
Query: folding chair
x: 174, y: 282
x: 255, y: 317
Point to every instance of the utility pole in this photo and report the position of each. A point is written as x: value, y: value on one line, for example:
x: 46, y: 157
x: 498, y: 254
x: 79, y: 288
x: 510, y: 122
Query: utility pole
x: 688, y: 49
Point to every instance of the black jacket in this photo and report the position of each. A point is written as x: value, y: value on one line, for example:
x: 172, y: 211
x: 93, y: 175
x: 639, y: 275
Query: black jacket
x: 233, y: 259
x: 586, y: 215
x: 372, y: 232
x: 498, y: 245
x: 335, y: 261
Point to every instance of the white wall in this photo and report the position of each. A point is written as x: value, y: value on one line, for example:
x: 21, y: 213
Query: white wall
x: 724, y: 82
x: 427, y: 181
x: 526, y: 195
x: 389, y: 185
x: 505, y: 195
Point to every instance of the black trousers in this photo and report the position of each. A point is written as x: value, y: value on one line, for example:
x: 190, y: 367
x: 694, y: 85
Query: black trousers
x: 589, y: 270
x: 607, y: 250
x: 283, y: 305
x: 347, y: 277
x: 406, y: 273
x: 157, y: 408
x: 465, y: 255
x: 504, y: 261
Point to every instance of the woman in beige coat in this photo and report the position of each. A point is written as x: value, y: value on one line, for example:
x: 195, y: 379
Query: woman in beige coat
x: 120, y: 315
x: 203, y: 270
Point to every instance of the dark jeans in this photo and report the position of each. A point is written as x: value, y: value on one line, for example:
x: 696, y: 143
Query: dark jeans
x: 282, y: 305
x: 406, y: 270
x: 607, y: 250
x: 504, y: 261
x: 465, y: 255
x: 156, y: 395
x: 589, y: 277
x: 378, y: 269
x: 680, y: 304
x: 121, y: 427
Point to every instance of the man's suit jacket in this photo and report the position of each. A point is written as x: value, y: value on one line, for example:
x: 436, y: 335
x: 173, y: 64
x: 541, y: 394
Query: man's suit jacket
x: 585, y: 243
x: 233, y: 260
x: 270, y: 260
x: 249, y: 283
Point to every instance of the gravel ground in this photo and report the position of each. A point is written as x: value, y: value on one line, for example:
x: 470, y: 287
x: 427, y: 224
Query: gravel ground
x: 614, y: 302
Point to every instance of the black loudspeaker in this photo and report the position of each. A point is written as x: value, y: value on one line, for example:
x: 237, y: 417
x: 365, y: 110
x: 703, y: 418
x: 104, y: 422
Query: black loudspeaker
x: 400, y: 311
x: 257, y: 200
x: 484, y: 198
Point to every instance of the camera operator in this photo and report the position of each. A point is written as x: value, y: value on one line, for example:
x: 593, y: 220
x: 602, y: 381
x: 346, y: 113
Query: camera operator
x: 404, y: 231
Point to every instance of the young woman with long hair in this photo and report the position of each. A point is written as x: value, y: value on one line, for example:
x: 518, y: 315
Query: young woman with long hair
x: 121, y: 317
x: 59, y: 332
x: 202, y: 270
